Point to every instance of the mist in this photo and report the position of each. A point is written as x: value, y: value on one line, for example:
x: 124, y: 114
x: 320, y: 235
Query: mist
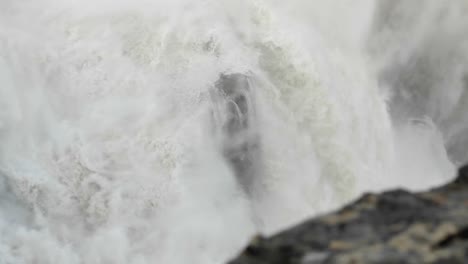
x: 174, y: 131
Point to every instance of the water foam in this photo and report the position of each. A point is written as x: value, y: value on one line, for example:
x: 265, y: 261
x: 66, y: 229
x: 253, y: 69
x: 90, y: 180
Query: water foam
x: 108, y: 152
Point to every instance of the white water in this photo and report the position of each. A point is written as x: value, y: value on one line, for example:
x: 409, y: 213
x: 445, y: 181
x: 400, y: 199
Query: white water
x: 109, y: 152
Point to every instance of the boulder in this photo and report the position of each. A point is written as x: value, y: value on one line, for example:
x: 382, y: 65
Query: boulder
x: 393, y: 227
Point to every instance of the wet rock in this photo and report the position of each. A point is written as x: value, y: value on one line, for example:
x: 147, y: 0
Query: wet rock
x: 393, y: 227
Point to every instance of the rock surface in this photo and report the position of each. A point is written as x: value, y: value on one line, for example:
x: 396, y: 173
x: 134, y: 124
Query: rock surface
x: 392, y: 227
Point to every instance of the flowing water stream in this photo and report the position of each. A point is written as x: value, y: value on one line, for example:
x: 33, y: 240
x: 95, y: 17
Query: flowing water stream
x: 138, y: 131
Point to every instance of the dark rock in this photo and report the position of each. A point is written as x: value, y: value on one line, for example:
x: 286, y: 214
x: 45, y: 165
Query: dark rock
x: 392, y: 227
x: 462, y: 176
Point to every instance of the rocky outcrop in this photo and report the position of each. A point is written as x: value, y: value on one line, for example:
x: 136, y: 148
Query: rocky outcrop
x: 392, y: 227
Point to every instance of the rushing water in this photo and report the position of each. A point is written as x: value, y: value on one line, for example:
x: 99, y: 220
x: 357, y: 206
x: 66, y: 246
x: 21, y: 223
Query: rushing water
x: 137, y: 131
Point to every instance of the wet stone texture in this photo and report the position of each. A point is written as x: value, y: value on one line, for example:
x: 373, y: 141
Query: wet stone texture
x: 392, y: 227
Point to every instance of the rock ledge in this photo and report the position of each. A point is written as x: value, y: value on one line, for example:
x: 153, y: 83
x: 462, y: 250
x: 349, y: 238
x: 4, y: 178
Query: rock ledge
x: 393, y: 227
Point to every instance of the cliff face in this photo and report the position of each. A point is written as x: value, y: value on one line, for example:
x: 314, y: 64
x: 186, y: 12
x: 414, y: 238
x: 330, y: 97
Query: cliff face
x: 392, y: 227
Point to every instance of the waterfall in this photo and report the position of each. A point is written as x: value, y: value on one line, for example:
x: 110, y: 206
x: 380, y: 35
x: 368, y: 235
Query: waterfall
x: 138, y: 131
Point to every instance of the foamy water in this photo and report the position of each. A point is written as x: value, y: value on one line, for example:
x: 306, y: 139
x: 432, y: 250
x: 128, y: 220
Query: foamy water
x: 173, y: 131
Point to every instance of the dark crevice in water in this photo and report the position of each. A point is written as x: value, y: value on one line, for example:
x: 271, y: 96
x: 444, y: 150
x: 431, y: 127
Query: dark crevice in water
x: 236, y: 122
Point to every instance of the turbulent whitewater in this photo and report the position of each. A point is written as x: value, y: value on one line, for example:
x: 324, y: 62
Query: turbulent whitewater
x: 138, y: 131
